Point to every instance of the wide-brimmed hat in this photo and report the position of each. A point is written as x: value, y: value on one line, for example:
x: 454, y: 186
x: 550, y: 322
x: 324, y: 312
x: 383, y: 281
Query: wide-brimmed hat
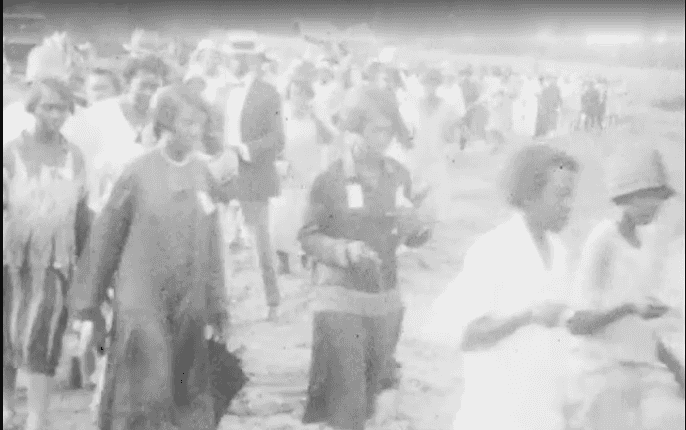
x: 635, y: 168
x: 243, y: 42
x: 46, y: 61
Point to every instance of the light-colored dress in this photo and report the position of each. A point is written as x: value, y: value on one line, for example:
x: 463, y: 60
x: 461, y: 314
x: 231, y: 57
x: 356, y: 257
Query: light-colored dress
x: 519, y: 383
x: 303, y: 154
x: 45, y: 192
x: 525, y: 110
x: 429, y: 155
x: 109, y: 142
x: 622, y: 356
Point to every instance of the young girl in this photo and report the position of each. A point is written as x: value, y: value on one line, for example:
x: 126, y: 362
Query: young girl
x: 623, y: 384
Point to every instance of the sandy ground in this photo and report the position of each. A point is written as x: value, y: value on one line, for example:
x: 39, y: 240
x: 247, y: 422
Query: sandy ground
x: 277, y: 356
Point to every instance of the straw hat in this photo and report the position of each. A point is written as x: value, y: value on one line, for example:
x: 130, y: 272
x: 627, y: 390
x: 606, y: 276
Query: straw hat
x: 243, y: 42
x: 636, y: 168
x: 43, y: 61
x: 143, y: 41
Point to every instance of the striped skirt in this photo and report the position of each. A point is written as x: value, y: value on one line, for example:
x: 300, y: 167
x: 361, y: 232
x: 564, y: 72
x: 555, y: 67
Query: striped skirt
x: 34, y: 320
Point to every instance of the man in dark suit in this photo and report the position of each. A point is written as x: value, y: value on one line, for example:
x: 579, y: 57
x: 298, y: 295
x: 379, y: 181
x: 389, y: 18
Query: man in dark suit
x: 254, y: 129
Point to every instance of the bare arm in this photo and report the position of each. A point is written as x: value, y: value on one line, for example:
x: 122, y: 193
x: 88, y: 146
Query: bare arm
x: 488, y: 331
x: 592, y: 279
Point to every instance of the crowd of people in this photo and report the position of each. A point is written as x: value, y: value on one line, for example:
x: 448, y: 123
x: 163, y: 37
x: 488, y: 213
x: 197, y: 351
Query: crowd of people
x: 122, y: 190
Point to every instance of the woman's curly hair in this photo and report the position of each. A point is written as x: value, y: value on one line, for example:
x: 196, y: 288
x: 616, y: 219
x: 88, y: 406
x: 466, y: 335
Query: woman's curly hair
x: 150, y: 63
x: 528, y: 172
x: 170, y: 103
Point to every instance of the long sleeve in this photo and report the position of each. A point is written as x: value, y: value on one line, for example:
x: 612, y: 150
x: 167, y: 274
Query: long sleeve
x: 266, y: 148
x: 101, y: 256
x: 328, y: 250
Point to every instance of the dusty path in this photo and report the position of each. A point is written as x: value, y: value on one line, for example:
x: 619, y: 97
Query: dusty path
x: 277, y: 356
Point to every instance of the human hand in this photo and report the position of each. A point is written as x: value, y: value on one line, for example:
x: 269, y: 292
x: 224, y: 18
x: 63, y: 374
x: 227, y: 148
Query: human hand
x: 282, y: 167
x: 358, y: 251
x: 216, y: 333
x: 224, y: 167
x: 651, y: 308
x: 548, y: 314
x: 242, y: 151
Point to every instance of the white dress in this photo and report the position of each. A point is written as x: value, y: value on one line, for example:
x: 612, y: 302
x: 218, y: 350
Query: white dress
x: 519, y: 383
x: 429, y: 156
x: 303, y: 154
x: 108, y: 142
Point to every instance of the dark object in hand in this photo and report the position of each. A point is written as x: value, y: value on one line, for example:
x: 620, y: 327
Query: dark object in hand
x: 227, y: 378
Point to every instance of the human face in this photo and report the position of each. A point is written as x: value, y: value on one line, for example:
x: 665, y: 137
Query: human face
x: 554, y: 207
x: 300, y: 95
x: 51, y: 111
x: 189, y: 128
x: 142, y: 87
x: 378, y: 135
x: 99, y: 87
x: 643, y: 209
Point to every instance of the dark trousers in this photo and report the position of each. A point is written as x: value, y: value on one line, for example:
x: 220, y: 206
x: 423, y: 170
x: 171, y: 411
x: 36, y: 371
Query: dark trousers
x: 257, y: 220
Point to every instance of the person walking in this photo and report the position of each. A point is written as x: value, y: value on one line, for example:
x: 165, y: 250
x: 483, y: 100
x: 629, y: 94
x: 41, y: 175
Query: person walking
x: 160, y: 233
x: 45, y: 196
x: 360, y: 210
x: 254, y: 129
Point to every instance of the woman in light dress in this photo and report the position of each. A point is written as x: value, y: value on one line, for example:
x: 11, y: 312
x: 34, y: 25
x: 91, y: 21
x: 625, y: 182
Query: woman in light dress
x: 114, y: 131
x: 303, y: 161
x: 525, y: 108
x: 44, y: 193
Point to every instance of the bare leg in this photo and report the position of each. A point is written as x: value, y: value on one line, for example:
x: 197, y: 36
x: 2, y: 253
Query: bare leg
x: 38, y: 401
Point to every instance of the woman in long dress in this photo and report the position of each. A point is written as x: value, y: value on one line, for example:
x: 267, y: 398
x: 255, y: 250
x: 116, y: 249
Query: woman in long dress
x: 45, y: 189
x: 303, y: 157
x: 359, y: 212
x: 160, y: 233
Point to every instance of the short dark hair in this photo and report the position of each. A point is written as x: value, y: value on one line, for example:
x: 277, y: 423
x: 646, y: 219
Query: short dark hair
x: 53, y: 84
x: 527, y: 172
x: 169, y: 105
x: 109, y: 73
x: 150, y: 63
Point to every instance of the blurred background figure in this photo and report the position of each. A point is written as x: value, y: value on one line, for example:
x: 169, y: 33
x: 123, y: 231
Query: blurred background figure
x: 302, y: 157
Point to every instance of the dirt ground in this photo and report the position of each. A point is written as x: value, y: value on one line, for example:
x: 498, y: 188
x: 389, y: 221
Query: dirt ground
x: 277, y: 355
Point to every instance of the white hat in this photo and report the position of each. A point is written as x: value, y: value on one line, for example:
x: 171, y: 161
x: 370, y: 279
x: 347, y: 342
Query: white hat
x: 206, y: 44
x: 244, y: 42
x: 635, y: 167
x: 44, y: 61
